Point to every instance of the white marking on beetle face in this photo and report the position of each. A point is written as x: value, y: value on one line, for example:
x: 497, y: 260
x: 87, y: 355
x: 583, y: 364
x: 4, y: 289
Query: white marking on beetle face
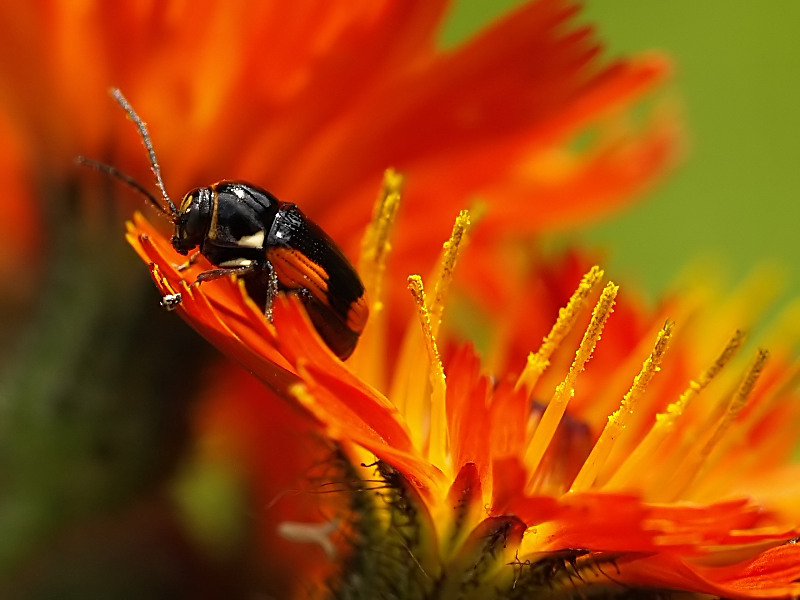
x: 236, y: 262
x: 239, y: 192
x: 255, y: 240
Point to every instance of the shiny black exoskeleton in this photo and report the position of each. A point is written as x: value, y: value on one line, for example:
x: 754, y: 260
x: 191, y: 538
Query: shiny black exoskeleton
x: 244, y: 230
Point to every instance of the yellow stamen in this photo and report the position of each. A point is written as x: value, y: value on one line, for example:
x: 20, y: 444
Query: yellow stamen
x: 444, y: 277
x: 567, y: 316
x: 369, y: 359
x: 375, y: 244
x: 437, y: 438
x: 696, y: 458
x: 738, y: 400
x: 409, y: 386
x: 630, y: 471
x: 617, y: 421
x: 781, y: 388
x: 546, y: 428
x: 756, y: 455
x: 409, y: 389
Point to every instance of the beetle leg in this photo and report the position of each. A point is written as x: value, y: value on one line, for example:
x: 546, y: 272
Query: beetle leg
x: 217, y: 273
x: 272, y: 290
x: 189, y: 261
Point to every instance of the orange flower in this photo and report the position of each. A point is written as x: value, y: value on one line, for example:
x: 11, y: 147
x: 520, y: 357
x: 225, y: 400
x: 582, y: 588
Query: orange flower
x: 542, y: 480
x: 314, y: 101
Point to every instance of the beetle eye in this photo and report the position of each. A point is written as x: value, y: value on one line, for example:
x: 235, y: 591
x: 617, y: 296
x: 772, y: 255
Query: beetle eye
x: 192, y: 222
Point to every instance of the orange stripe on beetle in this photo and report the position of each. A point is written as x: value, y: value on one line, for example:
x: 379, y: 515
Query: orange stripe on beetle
x: 296, y: 271
x: 357, y: 314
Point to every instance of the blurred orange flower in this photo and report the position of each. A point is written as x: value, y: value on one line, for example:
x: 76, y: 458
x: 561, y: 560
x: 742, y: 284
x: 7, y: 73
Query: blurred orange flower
x: 540, y: 479
x: 21, y: 232
x: 313, y: 101
x: 276, y: 454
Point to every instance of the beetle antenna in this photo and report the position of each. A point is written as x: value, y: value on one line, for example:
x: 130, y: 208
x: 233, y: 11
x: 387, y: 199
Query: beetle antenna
x: 151, y: 154
x: 124, y: 178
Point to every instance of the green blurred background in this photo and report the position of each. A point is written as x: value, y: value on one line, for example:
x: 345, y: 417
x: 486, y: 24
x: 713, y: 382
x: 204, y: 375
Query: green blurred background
x: 89, y: 454
x: 734, y: 200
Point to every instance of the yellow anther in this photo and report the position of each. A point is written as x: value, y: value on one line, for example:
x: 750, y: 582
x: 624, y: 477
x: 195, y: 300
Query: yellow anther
x: 437, y: 439
x: 369, y: 359
x: 665, y: 422
x: 546, y: 428
x: 444, y: 276
x: 375, y: 244
x: 567, y: 316
x: 696, y: 459
x: 618, y: 420
x: 738, y: 401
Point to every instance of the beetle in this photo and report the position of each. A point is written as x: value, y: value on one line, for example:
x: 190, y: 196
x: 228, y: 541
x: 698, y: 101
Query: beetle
x: 245, y: 231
